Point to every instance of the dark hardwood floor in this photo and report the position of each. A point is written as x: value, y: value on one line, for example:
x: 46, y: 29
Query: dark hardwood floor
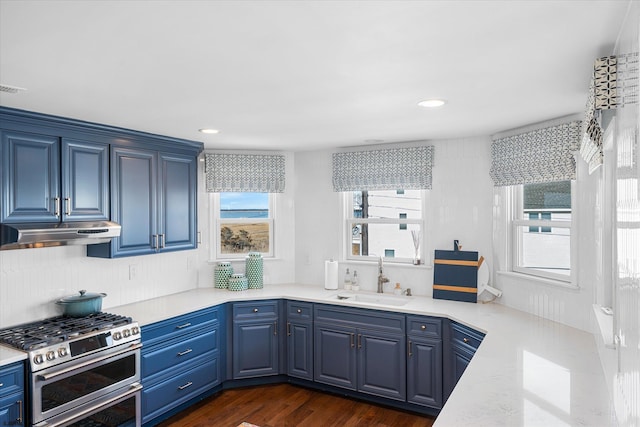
x: 284, y: 405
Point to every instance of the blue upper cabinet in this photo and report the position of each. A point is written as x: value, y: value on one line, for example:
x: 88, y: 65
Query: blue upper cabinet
x: 55, y: 169
x: 153, y: 197
x: 85, y: 180
x: 52, y: 179
x: 30, y: 176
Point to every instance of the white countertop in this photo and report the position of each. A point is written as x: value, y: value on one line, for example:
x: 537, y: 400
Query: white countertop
x: 528, y: 371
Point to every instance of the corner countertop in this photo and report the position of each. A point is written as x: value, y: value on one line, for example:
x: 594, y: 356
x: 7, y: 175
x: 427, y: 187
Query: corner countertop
x: 528, y: 371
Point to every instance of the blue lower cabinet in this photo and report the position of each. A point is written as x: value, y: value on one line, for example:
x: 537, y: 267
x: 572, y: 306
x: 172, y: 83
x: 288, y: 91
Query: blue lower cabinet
x: 160, y: 398
x: 180, y: 360
x: 464, y: 342
x: 381, y: 364
x: 299, y: 339
x: 335, y: 356
x: 12, y: 395
x: 361, y: 350
x: 424, y: 371
x: 256, y: 339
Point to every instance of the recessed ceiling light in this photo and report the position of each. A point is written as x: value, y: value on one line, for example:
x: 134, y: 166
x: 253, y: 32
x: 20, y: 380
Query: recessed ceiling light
x: 209, y: 130
x: 432, y: 103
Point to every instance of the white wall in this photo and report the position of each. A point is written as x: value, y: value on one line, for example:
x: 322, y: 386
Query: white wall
x: 458, y: 207
x: 31, y: 280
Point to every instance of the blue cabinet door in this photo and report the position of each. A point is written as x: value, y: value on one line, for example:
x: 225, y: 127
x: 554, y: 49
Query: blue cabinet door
x: 134, y: 203
x: 12, y: 410
x: 335, y: 355
x: 300, y: 350
x: 30, y: 177
x: 255, y: 349
x: 177, y: 199
x: 424, y: 372
x: 381, y: 364
x: 85, y: 181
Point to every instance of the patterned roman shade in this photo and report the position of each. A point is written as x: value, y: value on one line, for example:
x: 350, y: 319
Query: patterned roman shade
x: 257, y: 173
x: 614, y: 84
x: 543, y: 155
x: 388, y: 169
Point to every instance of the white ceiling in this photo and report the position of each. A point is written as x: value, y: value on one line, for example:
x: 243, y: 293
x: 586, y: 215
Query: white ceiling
x: 301, y: 75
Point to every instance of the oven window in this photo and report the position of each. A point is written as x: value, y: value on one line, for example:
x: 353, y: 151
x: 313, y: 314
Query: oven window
x: 76, y: 386
x: 122, y: 414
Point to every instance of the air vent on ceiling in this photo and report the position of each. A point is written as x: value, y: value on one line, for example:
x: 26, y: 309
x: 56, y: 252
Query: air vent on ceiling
x: 10, y: 89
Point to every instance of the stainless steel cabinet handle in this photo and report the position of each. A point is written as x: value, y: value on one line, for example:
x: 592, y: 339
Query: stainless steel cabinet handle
x: 1, y: 384
x: 409, y: 348
x: 466, y: 340
x: 299, y: 311
x: 359, y: 340
x: 275, y: 328
x: 182, y: 387
x: 20, y: 407
x: 255, y: 310
x: 187, y: 351
x: 56, y: 206
x: 288, y: 329
x: 423, y: 327
x: 186, y: 325
x: 154, y: 241
x: 67, y: 206
x: 352, y: 342
x: 162, y: 240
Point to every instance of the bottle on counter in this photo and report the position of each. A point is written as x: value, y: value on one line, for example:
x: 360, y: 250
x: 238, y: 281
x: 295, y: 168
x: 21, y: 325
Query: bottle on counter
x: 355, y: 283
x: 397, y: 290
x: 347, y: 280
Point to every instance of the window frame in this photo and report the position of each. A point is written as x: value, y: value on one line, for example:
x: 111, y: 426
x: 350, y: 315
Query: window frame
x: 515, y: 242
x: 349, y: 221
x: 217, y: 223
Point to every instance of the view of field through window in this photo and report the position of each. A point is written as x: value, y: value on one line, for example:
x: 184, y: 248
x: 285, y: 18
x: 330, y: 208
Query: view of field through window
x: 245, y: 224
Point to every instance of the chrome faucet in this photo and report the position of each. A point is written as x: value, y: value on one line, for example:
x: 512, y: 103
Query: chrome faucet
x: 381, y: 277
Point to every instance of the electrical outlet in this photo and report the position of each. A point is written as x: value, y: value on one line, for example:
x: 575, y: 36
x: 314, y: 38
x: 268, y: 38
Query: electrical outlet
x: 133, y: 271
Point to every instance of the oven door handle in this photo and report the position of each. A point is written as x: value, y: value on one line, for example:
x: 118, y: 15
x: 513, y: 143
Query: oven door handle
x: 134, y: 388
x: 46, y: 377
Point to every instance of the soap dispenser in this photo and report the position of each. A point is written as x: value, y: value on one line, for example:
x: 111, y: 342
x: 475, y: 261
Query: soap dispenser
x: 347, y: 280
x: 355, y: 284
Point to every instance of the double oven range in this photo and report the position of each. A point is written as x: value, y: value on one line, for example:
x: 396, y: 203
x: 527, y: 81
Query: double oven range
x: 81, y: 371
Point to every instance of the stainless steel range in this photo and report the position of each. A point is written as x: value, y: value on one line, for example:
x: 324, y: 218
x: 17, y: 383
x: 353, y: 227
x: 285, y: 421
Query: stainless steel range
x: 82, y: 371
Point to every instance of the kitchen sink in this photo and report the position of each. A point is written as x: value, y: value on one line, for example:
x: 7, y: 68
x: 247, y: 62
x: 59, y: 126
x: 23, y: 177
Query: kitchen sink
x: 379, y: 299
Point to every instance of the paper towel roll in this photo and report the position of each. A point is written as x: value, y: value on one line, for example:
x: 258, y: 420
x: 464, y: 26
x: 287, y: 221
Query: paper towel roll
x: 331, y: 274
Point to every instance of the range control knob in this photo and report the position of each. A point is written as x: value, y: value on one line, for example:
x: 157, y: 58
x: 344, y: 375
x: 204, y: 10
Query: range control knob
x: 51, y: 355
x: 62, y: 352
x: 126, y: 333
x: 135, y: 330
x: 38, y: 359
x: 117, y: 336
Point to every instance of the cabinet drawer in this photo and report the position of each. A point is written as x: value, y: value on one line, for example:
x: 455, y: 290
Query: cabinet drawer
x: 163, y: 357
x: 360, y: 318
x: 465, y: 336
x: 159, y: 398
x: 11, y: 379
x: 299, y: 310
x: 180, y: 325
x: 255, y: 310
x: 428, y: 327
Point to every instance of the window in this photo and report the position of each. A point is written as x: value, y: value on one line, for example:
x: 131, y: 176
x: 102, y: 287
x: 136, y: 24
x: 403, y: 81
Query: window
x: 244, y: 223
x: 384, y: 223
x: 542, y: 230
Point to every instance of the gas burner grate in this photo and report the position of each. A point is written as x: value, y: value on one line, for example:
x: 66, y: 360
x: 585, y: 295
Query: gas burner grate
x: 42, y: 333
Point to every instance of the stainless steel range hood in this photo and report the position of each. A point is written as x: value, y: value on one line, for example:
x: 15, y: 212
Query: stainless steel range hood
x: 38, y: 235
